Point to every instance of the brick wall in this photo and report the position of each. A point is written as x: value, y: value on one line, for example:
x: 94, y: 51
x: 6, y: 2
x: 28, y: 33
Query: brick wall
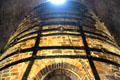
x: 33, y: 51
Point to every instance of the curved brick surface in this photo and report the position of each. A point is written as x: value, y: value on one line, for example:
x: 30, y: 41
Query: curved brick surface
x: 53, y: 40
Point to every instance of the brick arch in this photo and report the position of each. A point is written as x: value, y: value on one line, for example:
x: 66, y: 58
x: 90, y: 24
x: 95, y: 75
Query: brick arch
x: 58, y: 66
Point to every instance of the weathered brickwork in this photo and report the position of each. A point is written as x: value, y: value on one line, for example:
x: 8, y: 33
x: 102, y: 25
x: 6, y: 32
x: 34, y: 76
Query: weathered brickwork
x: 13, y: 73
x: 37, y: 50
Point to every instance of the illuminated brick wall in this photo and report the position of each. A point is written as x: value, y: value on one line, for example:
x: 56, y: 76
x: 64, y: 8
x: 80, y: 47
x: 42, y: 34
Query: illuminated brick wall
x: 68, y: 40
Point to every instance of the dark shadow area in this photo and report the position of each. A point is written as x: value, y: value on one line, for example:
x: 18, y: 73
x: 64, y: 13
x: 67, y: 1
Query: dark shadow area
x: 59, y: 74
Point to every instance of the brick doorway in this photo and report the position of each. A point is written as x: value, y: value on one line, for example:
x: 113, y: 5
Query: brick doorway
x: 60, y: 74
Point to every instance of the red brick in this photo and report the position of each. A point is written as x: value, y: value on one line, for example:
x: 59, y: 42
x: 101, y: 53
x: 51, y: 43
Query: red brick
x: 8, y: 78
x: 14, y: 70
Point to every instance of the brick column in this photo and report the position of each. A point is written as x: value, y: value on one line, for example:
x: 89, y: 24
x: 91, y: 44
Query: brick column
x: 68, y: 38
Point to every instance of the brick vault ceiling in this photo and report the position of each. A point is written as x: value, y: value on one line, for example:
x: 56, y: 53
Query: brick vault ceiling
x: 13, y: 11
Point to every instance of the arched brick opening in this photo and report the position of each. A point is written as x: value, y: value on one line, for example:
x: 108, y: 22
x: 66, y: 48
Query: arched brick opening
x: 61, y: 74
x: 65, y: 70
